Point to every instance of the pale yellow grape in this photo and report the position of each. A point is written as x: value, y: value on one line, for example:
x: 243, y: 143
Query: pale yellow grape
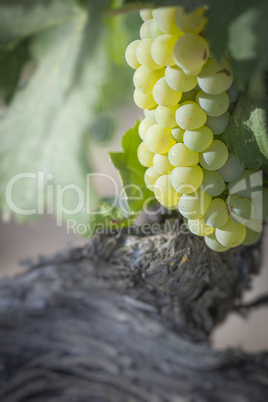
x: 130, y: 54
x: 150, y: 113
x: 192, y: 22
x: 177, y: 133
x: 192, y: 71
x: 216, y: 215
x: 212, y: 184
x: 146, y: 14
x: 162, y: 50
x: 145, y: 156
x: 164, y: 95
x: 191, y: 52
x: 165, y: 18
x: 144, y: 56
x: 159, y: 139
x: 198, y: 140
x: 165, y: 193
x: 218, y: 124
x: 213, y: 243
x: 180, y: 155
x: 248, y: 184
x: 194, y: 205
x: 165, y: 116
x: 190, y: 116
x: 150, y: 177
x: 213, y: 105
x: 199, y: 227
x: 145, y: 30
x: 144, y: 78
x: 161, y: 164
x: 187, y: 180
x: 154, y: 29
x: 144, y: 101
x: 178, y: 80
x: 215, y: 156
x: 143, y: 127
x: 232, y: 234
x: 252, y: 237
x: 215, y: 77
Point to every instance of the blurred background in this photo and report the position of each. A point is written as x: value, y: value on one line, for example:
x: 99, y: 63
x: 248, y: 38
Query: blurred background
x: 66, y: 103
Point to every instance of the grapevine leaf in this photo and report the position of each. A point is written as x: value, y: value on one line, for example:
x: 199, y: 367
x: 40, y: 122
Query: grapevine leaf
x: 10, y: 66
x: 21, y: 19
x: 42, y: 130
x: 246, y: 134
x: 131, y: 171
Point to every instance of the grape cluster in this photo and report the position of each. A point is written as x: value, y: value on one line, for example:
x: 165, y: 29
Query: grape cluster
x: 187, y: 97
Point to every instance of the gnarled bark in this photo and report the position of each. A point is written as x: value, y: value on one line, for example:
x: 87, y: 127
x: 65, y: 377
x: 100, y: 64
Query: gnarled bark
x: 127, y: 318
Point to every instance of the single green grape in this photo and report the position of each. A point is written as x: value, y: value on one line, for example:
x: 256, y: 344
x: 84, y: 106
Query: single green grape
x: 199, y: 227
x: 187, y: 180
x: 145, y: 156
x: 165, y: 19
x: 213, y: 105
x: 218, y: 124
x: 177, y: 134
x: 191, y: 22
x: 215, y: 156
x: 178, y: 80
x: 198, y: 140
x: 232, y: 168
x: 144, y: 125
x: 146, y: 14
x: 216, y: 215
x: 130, y: 54
x: 213, y: 184
x: 164, y: 95
x: 194, y: 205
x: 213, y: 243
x: 191, y: 52
x: 161, y: 164
x: 240, y: 208
x: 144, y: 56
x: 215, y: 77
x: 252, y: 237
x: 143, y: 101
x: 162, y: 49
x: 190, y: 116
x: 165, y: 193
x: 144, y: 79
x: 150, y: 177
x: 180, y: 155
x: 165, y: 116
x: 231, y: 234
x: 159, y: 139
x: 145, y: 30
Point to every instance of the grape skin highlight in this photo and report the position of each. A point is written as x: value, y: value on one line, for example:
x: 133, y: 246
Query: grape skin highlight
x: 190, y: 116
x: 188, y: 179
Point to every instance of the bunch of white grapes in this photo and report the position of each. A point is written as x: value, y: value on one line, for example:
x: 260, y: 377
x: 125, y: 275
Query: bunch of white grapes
x: 187, y: 96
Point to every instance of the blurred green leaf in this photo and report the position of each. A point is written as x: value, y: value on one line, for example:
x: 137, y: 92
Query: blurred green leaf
x: 246, y: 134
x: 131, y: 171
x: 11, y: 63
x: 43, y: 128
x: 21, y: 19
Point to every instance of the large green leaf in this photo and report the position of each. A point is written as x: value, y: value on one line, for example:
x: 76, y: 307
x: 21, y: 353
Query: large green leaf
x: 21, y: 19
x: 132, y: 172
x: 246, y: 133
x: 42, y: 130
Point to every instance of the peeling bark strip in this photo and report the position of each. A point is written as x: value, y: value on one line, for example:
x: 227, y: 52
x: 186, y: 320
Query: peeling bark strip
x: 126, y: 319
